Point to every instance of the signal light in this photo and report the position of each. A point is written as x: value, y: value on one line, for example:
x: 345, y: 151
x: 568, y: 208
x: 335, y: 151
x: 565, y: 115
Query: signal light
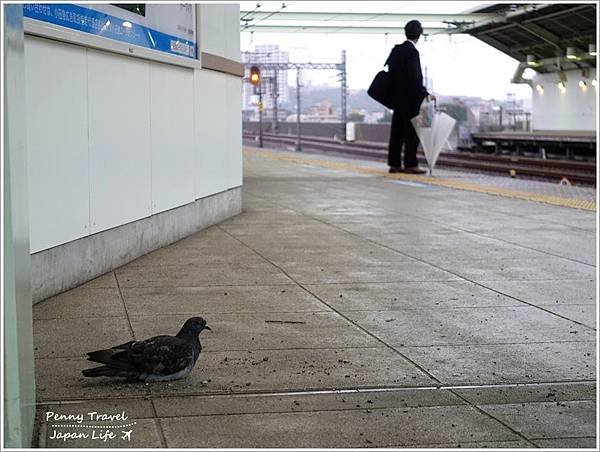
x: 254, y: 75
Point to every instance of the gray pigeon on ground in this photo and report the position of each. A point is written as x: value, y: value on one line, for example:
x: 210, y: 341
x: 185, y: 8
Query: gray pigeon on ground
x: 160, y: 358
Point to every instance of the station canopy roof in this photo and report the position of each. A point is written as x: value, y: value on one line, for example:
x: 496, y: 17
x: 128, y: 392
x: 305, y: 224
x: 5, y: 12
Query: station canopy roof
x: 540, y: 33
x: 547, y: 33
x: 356, y: 17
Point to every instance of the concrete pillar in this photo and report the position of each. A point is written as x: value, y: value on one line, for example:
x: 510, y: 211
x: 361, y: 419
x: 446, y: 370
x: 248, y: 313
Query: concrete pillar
x: 19, y: 383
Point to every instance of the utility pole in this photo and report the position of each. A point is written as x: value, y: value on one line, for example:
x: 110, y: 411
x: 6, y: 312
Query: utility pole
x: 344, y: 96
x: 298, y: 132
x: 275, y: 97
x: 260, y: 115
x: 514, y: 99
x: 341, y: 67
x: 256, y: 80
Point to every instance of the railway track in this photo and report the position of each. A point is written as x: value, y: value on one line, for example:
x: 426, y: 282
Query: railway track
x: 555, y: 170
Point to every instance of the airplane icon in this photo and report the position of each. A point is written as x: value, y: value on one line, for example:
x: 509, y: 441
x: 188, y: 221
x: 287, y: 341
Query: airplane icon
x: 126, y: 435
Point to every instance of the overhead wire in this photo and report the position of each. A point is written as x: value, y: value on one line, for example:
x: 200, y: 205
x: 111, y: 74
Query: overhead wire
x: 247, y: 25
x: 248, y: 19
x: 258, y: 5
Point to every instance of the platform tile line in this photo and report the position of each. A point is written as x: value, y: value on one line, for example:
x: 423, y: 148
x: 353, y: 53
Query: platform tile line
x: 446, y: 183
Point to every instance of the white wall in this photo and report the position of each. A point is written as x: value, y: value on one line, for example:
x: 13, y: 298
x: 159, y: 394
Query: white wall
x: 113, y: 139
x: 571, y: 109
x: 119, y: 145
x: 221, y: 129
x: 172, y: 137
x: 220, y: 35
x: 220, y: 30
x: 57, y: 142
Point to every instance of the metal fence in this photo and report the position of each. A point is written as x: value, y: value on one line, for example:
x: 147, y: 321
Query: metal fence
x: 374, y: 133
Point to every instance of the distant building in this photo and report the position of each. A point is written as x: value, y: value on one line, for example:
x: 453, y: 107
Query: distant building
x: 427, y: 81
x: 516, y: 115
x: 322, y: 112
x: 248, y: 115
x: 472, y: 117
x: 293, y: 118
x: 373, y: 117
x: 490, y: 116
x: 275, y: 82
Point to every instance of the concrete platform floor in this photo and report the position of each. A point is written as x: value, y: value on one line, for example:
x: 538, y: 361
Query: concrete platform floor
x: 348, y: 310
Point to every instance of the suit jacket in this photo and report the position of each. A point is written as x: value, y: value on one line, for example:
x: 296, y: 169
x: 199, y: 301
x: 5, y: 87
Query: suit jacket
x: 406, y: 77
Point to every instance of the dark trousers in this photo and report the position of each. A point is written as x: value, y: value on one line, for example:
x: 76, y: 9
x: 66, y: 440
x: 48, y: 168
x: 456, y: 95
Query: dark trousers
x: 402, y: 135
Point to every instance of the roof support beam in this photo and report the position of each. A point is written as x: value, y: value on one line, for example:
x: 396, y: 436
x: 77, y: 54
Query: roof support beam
x: 571, y: 42
x: 557, y: 13
x: 360, y: 17
x: 333, y: 29
x: 541, y: 33
x: 285, y: 66
x: 515, y: 16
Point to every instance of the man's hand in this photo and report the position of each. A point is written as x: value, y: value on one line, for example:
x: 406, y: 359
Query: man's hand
x: 431, y: 97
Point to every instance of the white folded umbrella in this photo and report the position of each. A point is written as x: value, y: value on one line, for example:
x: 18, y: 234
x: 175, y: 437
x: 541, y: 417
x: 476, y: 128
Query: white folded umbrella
x: 433, y: 129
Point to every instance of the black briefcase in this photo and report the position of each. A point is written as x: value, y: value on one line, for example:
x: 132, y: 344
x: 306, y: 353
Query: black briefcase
x: 381, y: 89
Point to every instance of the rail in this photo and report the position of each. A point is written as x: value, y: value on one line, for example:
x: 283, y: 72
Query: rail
x: 556, y: 170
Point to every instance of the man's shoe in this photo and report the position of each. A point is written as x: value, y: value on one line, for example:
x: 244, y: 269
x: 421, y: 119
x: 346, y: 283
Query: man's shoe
x: 414, y: 170
x: 395, y: 169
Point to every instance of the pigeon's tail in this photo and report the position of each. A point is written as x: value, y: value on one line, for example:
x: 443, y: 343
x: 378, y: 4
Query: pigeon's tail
x: 113, y: 357
x: 101, y: 356
x: 107, y: 371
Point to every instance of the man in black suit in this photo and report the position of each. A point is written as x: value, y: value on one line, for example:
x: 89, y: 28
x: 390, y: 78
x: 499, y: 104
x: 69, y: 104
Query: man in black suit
x: 408, y: 93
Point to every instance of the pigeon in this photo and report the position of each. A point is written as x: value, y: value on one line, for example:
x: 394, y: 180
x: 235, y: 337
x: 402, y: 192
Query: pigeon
x: 160, y: 358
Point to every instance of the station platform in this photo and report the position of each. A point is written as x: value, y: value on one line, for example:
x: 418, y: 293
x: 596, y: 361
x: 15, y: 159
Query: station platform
x: 350, y: 308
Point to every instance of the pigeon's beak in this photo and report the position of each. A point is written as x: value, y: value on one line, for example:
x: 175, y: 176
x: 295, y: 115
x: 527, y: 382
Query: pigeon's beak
x: 207, y: 328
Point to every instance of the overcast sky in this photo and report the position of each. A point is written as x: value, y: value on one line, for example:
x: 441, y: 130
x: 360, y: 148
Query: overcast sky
x: 457, y: 65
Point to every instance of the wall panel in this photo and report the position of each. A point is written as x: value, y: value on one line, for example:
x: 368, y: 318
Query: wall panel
x: 212, y: 33
x: 232, y: 35
x: 120, y: 160
x: 57, y: 128
x: 211, y: 132
x: 172, y: 136
x: 220, y: 30
x: 114, y: 139
x: 234, y: 131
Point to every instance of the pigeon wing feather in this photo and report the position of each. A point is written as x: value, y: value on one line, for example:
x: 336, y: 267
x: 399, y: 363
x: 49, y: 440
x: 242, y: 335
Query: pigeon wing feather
x: 112, y: 356
x: 160, y: 355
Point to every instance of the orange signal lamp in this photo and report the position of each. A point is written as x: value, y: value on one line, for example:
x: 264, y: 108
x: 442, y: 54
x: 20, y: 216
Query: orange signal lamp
x: 254, y: 75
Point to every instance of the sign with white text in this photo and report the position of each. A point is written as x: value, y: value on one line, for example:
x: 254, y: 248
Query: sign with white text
x: 168, y: 28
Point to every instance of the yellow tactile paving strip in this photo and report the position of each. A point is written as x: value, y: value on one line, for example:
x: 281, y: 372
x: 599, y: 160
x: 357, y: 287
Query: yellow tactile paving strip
x: 448, y: 183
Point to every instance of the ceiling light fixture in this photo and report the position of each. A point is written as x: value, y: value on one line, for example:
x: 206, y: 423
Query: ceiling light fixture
x: 531, y: 61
